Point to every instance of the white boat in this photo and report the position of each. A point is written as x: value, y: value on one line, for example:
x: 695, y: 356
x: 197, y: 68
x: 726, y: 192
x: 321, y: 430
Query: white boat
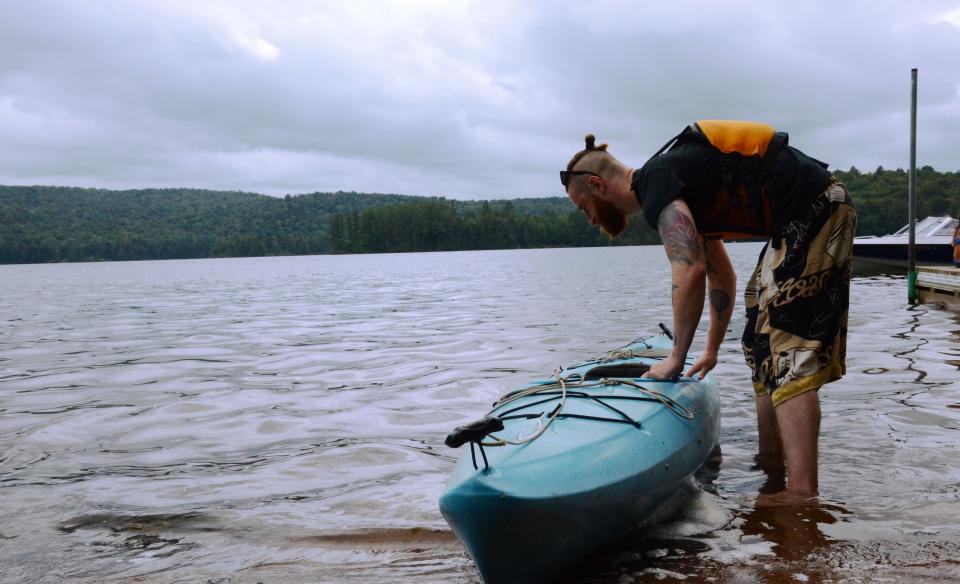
x: 933, y: 237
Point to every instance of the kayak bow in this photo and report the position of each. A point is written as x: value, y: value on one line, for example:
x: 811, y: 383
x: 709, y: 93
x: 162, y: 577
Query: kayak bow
x: 571, y: 463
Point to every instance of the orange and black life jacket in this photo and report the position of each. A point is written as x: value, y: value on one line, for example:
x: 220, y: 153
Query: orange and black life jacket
x: 742, y: 206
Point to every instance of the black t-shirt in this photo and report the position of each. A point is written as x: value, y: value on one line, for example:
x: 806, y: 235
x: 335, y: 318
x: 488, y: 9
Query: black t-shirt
x: 691, y: 171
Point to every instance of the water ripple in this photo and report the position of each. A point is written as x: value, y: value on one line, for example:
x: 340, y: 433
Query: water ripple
x: 284, y: 417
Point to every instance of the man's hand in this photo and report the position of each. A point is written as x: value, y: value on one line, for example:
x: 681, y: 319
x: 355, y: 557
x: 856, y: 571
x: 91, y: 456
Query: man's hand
x: 703, y: 365
x: 665, y: 370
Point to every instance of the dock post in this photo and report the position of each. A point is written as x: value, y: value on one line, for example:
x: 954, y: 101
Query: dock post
x: 912, y: 252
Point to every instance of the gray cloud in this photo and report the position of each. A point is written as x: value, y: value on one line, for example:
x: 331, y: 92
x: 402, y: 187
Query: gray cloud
x: 464, y: 99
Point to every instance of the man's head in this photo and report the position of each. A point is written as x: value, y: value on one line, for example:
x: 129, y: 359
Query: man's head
x: 598, y: 183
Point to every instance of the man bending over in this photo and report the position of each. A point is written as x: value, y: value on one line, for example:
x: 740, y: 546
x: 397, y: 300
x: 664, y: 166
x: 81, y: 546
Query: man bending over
x: 722, y: 180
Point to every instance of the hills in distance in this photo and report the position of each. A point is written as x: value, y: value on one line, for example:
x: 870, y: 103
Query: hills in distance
x: 54, y: 224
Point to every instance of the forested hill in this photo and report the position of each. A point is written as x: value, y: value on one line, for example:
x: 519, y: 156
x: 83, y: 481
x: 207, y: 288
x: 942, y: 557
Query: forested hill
x: 39, y: 224
x: 881, y: 196
x: 43, y: 224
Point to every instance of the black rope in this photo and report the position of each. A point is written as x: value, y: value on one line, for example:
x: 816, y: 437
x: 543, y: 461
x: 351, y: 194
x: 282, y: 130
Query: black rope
x: 521, y: 416
x: 473, y: 455
x: 608, y: 406
x: 576, y: 394
x: 630, y: 421
x: 558, y: 394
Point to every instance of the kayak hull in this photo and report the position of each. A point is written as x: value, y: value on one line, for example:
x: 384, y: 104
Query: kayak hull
x: 539, y: 507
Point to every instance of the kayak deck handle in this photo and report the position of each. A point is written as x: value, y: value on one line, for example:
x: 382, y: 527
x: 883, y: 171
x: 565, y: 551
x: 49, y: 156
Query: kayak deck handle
x: 473, y: 432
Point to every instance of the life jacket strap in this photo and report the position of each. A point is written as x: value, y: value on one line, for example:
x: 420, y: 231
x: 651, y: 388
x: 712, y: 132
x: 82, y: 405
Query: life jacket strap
x: 688, y: 130
x: 774, y: 200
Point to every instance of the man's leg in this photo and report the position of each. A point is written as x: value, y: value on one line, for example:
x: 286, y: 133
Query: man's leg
x: 799, y: 421
x: 805, y: 285
x: 770, y: 455
x: 769, y: 459
x: 757, y: 354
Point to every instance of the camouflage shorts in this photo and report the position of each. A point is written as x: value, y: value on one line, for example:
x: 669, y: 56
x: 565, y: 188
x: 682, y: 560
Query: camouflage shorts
x: 796, y: 333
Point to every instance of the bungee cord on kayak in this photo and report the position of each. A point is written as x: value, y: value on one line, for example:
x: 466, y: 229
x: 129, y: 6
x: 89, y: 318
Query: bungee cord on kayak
x: 480, y: 434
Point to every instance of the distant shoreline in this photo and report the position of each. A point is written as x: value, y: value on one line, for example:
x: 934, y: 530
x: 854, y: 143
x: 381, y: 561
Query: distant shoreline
x: 41, y: 224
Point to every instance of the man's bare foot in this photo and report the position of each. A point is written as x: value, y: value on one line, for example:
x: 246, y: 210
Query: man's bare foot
x: 787, y: 497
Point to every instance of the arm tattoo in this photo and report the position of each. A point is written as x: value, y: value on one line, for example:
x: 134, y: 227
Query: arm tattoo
x: 679, y: 236
x: 720, y: 301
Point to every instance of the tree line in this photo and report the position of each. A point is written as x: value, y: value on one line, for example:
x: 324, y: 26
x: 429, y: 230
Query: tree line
x: 881, y: 196
x: 53, y: 224
x: 439, y: 225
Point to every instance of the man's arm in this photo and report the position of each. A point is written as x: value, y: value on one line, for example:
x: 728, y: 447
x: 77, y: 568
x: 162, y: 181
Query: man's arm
x: 688, y: 268
x: 722, y: 289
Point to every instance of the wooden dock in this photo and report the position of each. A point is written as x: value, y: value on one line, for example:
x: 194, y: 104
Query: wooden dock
x: 939, y: 285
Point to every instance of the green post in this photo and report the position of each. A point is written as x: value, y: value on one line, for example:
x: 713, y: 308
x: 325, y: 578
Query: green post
x: 912, y: 195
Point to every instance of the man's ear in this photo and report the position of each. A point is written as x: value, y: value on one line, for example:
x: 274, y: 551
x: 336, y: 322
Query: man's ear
x: 597, y: 186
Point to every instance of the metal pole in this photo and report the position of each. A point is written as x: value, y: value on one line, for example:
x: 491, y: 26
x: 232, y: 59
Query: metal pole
x: 912, y: 269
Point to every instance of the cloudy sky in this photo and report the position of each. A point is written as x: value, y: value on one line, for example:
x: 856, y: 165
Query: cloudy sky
x: 466, y: 99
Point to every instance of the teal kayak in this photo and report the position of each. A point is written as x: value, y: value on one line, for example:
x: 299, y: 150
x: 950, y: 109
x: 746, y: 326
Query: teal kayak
x: 564, y: 465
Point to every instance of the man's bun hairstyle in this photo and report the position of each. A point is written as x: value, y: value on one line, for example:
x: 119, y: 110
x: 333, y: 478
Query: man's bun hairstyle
x: 590, y: 142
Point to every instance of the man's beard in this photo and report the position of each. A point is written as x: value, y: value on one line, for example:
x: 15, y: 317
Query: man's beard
x: 612, y: 221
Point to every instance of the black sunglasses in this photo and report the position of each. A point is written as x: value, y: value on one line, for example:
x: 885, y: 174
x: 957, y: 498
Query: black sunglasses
x: 566, y: 174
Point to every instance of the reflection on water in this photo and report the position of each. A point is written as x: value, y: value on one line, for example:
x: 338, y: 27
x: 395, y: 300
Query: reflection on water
x: 793, y: 530
x: 282, y: 419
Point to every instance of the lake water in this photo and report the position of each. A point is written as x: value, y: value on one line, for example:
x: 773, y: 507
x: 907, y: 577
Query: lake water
x: 282, y: 420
